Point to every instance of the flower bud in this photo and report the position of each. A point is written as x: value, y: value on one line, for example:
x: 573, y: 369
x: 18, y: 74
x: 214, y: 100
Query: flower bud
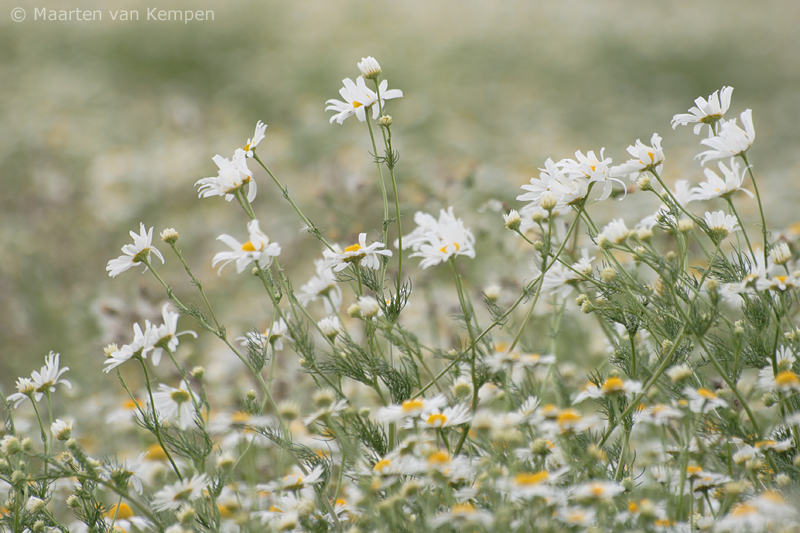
x: 353, y: 311
x: 324, y: 398
x: 608, y: 274
x: 369, y: 306
x: 780, y: 253
x: 492, y: 292
x: 34, y: 504
x: 198, y: 373
x: 27, y: 444
x: 251, y: 396
x: 680, y: 373
x: 73, y: 501
x: 225, y: 461
x: 369, y: 68
x: 462, y: 388
x: 61, y: 430
x: 644, y: 234
x: 643, y: 183
x: 289, y: 410
x: 685, y: 225
x: 512, y: 220
x: 169, y: 236
x: 186, y: 515
x: 18, y: 477
x: 10, y: 445
x: 548, y: 201
x: 386, y: 121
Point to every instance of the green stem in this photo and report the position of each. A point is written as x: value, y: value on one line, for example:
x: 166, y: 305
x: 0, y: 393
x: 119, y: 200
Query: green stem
x: 155, y: 418
x: 760, y: 208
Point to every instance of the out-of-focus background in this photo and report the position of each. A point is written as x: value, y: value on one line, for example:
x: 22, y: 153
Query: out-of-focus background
x: 106, y: 124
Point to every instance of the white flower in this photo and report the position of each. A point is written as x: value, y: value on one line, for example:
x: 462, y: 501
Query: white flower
x: 143, y: 342
x: 611, y: 387
x: 597, y: 490
x: 368, y: 306
x: 705, y: 112
x: 615, y: 232
x: 551, y: 179
x: 732, y: 140
x: 721, y: 224
x: 449, y: 417
x: 436, y: 241
x: 61, y: 430
x: 322, y: 285
x: 410, y: 409
x: 295, y: 481
x: 173, y: 496
x: 176, y: 404
x: 122, y: 516
x: 703, y: 400
x: 358, y: 98
x: 785, y: 379
x: 594, y: 169
x: 126, y: 471
x: 576, y: 516
x: 25, y: 389
x: 258, y: 136
x: 356, y: 253
x: 135, y: 253
x: 369, y: 67
x: 49, y: 376
x: 681, y: 193
x: 330, y: 326
x: 780, y: 253
x: 644, y: 158
x: 232, y: 175
x: 257, y: 249
x: 166, y: 335
x: 778, y: 283
x: 716, y: 187
x: 461, y: 516
x: 275, y: 335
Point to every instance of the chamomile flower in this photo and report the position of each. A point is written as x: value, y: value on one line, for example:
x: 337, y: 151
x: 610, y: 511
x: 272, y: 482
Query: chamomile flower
x: 126, y: 472
x: 122, y: 516
x: 613, y: 386
x: 462, y: 515
x: 369, y: 67
x: 439, y: 240
x: 614, y: 233
x: 25, y: 389
x: 166, y: 335
x: 705, y: 111
x: 528, y: 485
x: 173, y: 496
x: 592, y: 168
x: 176, y: 405
x: 361, y: 253
x: 779, y: 283
x: 258, y: 136
x: 358, y: 98
x: 597, y: 490
x: 448, y: 417
x: 659, y: 414
x: 274, y: 336
x: 295, y: 481
x: 785, y: 379
x: 576, y: 516
x: 232, y: 175
x: 720, y: 224
x: 552, y: 179
x: 645, y: 158
x: 46, y: 379
x: 702, y: 400
x: 135, y: 254
x: 731, y: 141
x: 257, y: 249
x: 323, y: 285
x: 410, y: 409
x: 143, y: 342
x: 716, y: 187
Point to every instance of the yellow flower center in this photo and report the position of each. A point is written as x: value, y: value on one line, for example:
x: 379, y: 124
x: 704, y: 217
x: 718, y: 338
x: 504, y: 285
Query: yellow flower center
x: 567, y: 417
x: 412, y: 405
x: 155, y: 451
x: 179, y: 396
x: 356, y: 105
x: 248, y: 247
x: 227, y: 510
x: 694, y: 470
x: 463, y: 509
x: 633, y: 507
x: 664, y: 522
x: 613, y: 386
x: 744, y: 509
x: 437, y: 420
x: 380, y: 465
x: 529, y: 478
x: 439, y: 458
x: 787, y: 379
x: 352, y: 248
x: 706, y: 394
x: 443, y: 249
x: 240, y: 417
x: 130, y: 405
x: 122, y: 512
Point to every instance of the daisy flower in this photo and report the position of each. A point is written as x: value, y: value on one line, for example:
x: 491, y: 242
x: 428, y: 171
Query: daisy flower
x: 720, y: 224
x: 143, y: 342
x: 49, y: 376
x: 613, y: 386
x: 659, y: 414
x: 410, y: 409
x: 593, y: 169
x: 176, y: 405
x: 322, y: 285
x: 597, y: 490
x: 258, y: 248
x: 778, y: 283
x: 785, y: 379
x: 359, y: 253
x: 358, y: 98
x: 462, y: 515
x: 166, y: 335
x: 705, y: 111
x: 330, y: 326
x: 703, y: 400
x: 275, y: 336
x: 25, y: 389
x: 552, y: 179
x: 173, y: 496
x: 449, y: 417
x: 731, y: 141
x: 369, y: 67
x: 258, y: 136
x: 122, y: 516
x: 527, y: 485
x: 135, y: 254
x: 644, y: 158
x: 231, y: 176
x: 436, y: 241
x: 576, y: 516
x: 126, y: 472
x: 614, y: 233
x: 716, y: 187
x: 295, y: 481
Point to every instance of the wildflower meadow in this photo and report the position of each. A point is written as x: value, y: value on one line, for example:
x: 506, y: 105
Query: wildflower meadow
x: 640, y: 375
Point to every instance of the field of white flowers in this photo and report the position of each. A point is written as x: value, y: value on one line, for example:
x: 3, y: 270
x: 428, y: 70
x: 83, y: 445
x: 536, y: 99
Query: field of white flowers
x: 351, y: 325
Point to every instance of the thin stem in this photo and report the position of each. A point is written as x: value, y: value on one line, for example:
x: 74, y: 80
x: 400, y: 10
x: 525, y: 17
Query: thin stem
x: 155, y: 418
x: 758, y: 198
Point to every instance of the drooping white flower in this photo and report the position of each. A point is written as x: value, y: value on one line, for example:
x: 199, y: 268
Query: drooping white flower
x: 176, y: 405
x: 135, y: 253
x: 551, y: 179
x: 232, y: 175
x: 49, y: 376
x: 61, y: 430
x: 273, y: 336
x: 330, y: 326
x: 358, y: 98
x: 173, y: 496
x: 705, y: 111
x: 716, y: 187
x: 593, y: 169
x: 166, y: 335
x: 615, y: 232
x: 644, y: 158
x: 258, y: 249
x: 436, y: 241
x: 731, y: 141
x: 25, y: 390
x: 361, y: 253
x: 258, y: 136
x: 721, y: 224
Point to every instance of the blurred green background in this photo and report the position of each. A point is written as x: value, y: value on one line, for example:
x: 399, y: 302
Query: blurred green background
x: 106, y: 124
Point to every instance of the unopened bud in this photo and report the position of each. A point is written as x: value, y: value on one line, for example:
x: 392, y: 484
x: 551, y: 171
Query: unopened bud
x: 643, y: 183
x: 198, y: 373
x: 512, y: 220
x: 780, y: 253
x: 169, y: 236
x: 548, y: 201
x: 685, y: 225
x: 251, y: 395
x: 644, y: 234
x: 680, y: 373
x: 608, y: 274
x: 73, y: 501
